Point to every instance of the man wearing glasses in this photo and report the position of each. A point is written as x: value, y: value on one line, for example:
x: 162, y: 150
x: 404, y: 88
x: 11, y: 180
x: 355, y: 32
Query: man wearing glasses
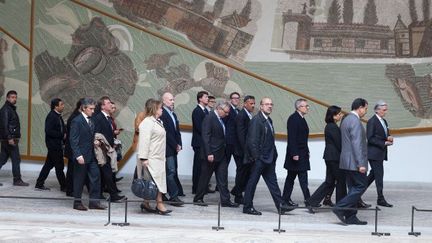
x: 297, y: 153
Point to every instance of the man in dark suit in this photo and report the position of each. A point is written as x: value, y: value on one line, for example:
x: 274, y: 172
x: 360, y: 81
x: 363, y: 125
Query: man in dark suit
x: 173, y: 146
x: 198, y: 115
x: 10, y: 134
x: 241, y: 127
x: 353, y: 160
x: 262, y: 154
x: 231, y: 136
x: 297, y: 154
x: 55, y: 135
x: 378, y: 137
x: 214, y: 156
x: 103, y: 125
x: 81, y: 141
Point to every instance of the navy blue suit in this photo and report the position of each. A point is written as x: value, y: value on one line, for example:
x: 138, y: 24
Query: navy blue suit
x: 55, y: 131
x: 173, y: 139
x: 261, y: 152
x: 198, y: 115
x: 81, y: 140
x: 297, y: 145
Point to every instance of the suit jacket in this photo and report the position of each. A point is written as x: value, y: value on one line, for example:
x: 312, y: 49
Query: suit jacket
x: 198, y: 115
x: 376, y: 136
x: 354, y: 145
x: 231, y: 136
x: 298, y: 133
x: 260, y: 142
x: 242, y: 124
x: 55, y: 131
x: 81, y: 139
x: 173, y: 136
x: 332, y: 142
x: 68, y: 149
x: 9, y: 122
x: 213, y: 137
x: 103, y: 126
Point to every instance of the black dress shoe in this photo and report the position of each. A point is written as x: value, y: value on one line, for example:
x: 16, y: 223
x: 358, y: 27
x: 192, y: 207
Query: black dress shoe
x: 209, y: 190
x: 118, y: 179
x: 252, y: 211
x: 117, y: 198
x: 80, y: 207
x: 229, y: 204
x: 340, y: 216
x: 238, y: 199
x: 362, y: 204
x: 42, y: 188
x: 291, y: 203
x: 148, y: 209
x: 355, y: 220
x: 160, y: 212
x: 97, y: 206
x: 328, y: 202
x: 182, y: 195
x: 384, y: 203
x: 69, y: 194
x: 309, y: 204
x: 286, y: 208
x: 176, y: 202
x: 200, y: 202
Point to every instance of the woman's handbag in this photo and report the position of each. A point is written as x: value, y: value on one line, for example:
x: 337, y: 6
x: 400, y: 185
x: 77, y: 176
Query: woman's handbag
x: 145, y: 187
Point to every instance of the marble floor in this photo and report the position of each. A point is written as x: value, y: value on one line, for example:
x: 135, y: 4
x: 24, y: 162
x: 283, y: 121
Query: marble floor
x: 25, y: 220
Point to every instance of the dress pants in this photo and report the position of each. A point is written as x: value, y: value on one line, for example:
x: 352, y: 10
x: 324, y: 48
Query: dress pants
x: 179, y: 185
x: 11, y: 151
x: 54, y: 159
x: 289, y: 184
x: 220, y: 168
x: 88, y: 171
x: 171, y: 172
x: 357, y: 184
x: 334, y: 175
x: 377, y: 174
x: 107, y: 181
x: 69, y: 176
x: 267, y: 171
x: 243, y: 172
x: 196, y: 169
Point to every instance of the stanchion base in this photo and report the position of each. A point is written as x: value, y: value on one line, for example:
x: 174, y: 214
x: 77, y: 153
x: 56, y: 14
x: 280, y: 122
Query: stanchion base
x: 217, y: 228
x: 380, y: 234
x: 414, y: 233
x: 121, y: 224
x: 279, y: 230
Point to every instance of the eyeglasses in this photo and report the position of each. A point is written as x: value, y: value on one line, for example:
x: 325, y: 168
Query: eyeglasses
x: 235, y: 98
x: 268, y: 104
x: 307, y: 106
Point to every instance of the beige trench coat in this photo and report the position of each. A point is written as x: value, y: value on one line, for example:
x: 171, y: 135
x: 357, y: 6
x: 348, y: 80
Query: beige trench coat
x: 151, y: 146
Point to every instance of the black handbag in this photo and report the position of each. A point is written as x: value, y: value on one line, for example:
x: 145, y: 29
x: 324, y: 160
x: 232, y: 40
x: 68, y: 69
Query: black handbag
x: 144, y: 188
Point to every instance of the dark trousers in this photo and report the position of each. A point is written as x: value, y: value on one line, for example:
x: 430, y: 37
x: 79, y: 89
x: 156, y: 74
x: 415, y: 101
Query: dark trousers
x: 267, y: 171
x: 289, y: 184
x: 377, y: 175
x: 11, y: 151
x: 54, y: 159
x: 357, y: 184
x: 88, y: 171
x: 196, y: 169
x: 69, y: 176
x: 171, y: 174
x: 243, y: 172
x: 334, y: 176
x: 179, y: 185
x: 220, y: 168
x: 107, y: 181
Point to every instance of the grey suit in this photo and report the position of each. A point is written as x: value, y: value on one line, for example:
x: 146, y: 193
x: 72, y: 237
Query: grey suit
x: 353, y: 156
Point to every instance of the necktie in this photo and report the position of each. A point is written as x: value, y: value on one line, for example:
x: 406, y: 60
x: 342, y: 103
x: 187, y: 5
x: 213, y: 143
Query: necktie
x: 269, y: 122
x: 222, y: 124
x: 205, y: 111
x: 90, y: 123
x: 384, y: 126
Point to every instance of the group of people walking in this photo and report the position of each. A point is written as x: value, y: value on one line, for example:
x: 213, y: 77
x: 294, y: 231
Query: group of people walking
x: 220, y: 131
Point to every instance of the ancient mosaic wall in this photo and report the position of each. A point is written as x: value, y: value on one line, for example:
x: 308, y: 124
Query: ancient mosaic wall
x: 98, y: 47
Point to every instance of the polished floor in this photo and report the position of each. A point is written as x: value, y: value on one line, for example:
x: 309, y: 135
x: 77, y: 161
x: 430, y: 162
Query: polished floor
x: 41, y: 220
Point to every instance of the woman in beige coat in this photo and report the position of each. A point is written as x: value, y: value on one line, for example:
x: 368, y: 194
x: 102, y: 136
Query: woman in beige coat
x: 151, y: 152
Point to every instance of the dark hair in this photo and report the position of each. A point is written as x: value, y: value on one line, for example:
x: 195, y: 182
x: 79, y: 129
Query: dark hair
x: 86, y: 102
x: 11, y: 92
x: 201, y: 94
x: 331, y: 112
x: 248, y: 97
x: 357, y: 103
x: 211, y: 97
x: 234, y: 93
x: 55, y: 102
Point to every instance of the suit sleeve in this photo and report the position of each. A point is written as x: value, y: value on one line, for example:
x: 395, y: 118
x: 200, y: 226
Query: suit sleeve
x: 197, y: 122
x: 372, y: 136
x: 170, y: 137
x: 335, y: 136
x: 292, y: 128
x: 253, y: 139
x: 241, y: 130
x: 206, y: 134
x: 74, y: 138
x: 144, y: 137
x: 5, y: 122
x: 50, y: 124
x: 357, y: 144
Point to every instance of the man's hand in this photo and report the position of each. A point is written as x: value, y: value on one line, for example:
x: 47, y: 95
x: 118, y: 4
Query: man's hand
x: 117, y: 132
x: 80, y: 160
x: 362, y: 169
x: 179, y: 148
x: 11, y: 142
x: 145, y: 162
x: 390, y: 139
x: 296, y: 157
x: 210, y: 158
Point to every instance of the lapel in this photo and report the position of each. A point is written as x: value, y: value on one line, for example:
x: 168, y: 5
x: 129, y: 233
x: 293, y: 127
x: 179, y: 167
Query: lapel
x: 380, y: 126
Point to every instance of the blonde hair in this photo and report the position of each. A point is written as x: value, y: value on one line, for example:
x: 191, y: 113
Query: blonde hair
x: 151, y: 107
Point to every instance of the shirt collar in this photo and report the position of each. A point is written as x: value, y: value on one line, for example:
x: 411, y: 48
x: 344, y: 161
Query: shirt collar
x: 85, y: 116
x: 248, y: 113
x: 217, y: 114
x: 300, y: 114
x: 265, y: 116
x: 168, y: 109
x: 202, y: 107
x: 379, y: 118
x: 355, y: 113
x: 105, y: 114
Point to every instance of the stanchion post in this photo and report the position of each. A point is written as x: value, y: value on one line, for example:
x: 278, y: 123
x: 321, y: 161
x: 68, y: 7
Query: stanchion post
x: 109, y: 211
x: 416, y: 234
x: 376, y: 225
x: 218, y: 227
x: 279, y: 230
